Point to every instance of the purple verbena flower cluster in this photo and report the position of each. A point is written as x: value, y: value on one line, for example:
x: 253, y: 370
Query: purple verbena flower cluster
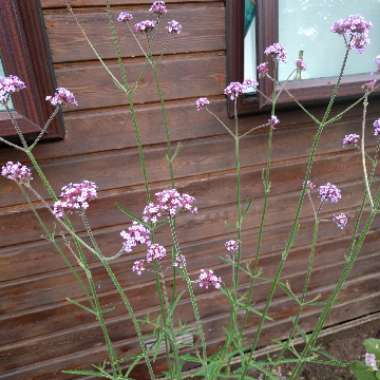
x: 62, y: 96
x: 9, y: 85
x: 174, y: 27
x: 158, y: 7
x: 151, y: 213
x: 136, y: 234
x: 370, y: 361
x: 208, y: 279
x: 155, y: 252
x: 351, y: 139
x: 75, y: 197
x: 330, y: 193
x: 180, y: 262
x: 138, y: 267
x: 202, y: 103
x: 376, y: 127
x: 263, y: 69
x: 124, y: 16
x: 355, y: 29
x: 232, y: 246
x: 276, y: 51
x: 235, y: 89
x: 145, y: 26
x: 17, y: 172
x: 340, y: 220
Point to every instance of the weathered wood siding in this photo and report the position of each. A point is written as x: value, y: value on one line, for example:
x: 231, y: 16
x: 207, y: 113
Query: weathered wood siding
x: 41, y: 334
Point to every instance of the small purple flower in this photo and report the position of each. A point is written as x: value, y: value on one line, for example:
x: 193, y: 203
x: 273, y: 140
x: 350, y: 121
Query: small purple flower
x: 370, y: 361
x: 188, y: 203
x: 62, y: 96
x: 351, y: 139
x: 232, y: 246
x: 158, y: 7
x: 207, y: 279
x: 124, y: 16
x: 340, y: 220
x: 145, y: 26
x: 300, y: 64
x: 151, y: 213
x: 263, y: 69
x: 276, y: 51
x: 273, y: 121
x: 330, y: 193
x: 135, y: 234
x: 376, y: 127
x: 155, y: 252
x: 355, y: 29
x: 139, y: 267
x: 174, y: 27
x: 9, y: 85
x: 75, y: 197
x: 17, y: 172
x: 202, y: 103
x: 235, y: 89
x: 180, y: 262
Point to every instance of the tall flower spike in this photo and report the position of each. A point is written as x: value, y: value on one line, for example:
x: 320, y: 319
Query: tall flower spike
x: 62, y: 96
x: 17, y: 172
x: 208, y: 279
x: 330, y: 193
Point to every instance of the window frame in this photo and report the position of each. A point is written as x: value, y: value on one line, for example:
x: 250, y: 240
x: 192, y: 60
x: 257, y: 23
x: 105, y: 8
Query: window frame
x: 307, y: 91
x: 25, y: 52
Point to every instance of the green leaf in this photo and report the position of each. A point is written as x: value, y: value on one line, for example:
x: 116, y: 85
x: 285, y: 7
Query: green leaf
x: 373, y: 347
x: 362, y: 372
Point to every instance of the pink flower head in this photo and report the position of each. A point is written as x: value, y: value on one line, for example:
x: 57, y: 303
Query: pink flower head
x: 62, y: 96
x: 263, y: 69
x: 376, y: 127
x: 124, y: 16
x: 135, y: 234
x: 232, y: 246
x: 351, y: 139
x: 355, y: 29
x: 273, y: 121
x: 276, y: 51
x: 235, y: 89
x: 300, y: 64
x: 202, y: 103
x: 155, y: 252
x: 158, y: 7
x: 171, y: 202
x: 75, y: 197
x: 138, y: 267
x: 180, y: 262
x: 151, y: 213
x: 9, y: 85
x: 340, y: 220
x: 330, y: 193
x: 207, y: 279
x: 370, y: 361
x: 145, y: 26
x: 174, y: 27
x: 17, y: 172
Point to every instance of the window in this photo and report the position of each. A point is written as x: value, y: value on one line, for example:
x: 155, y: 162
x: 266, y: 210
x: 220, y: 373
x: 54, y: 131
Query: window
x: 24, y: 52
x: 304, y: 25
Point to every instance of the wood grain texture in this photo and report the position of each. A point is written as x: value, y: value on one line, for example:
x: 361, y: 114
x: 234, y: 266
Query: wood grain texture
x: 202, y: 33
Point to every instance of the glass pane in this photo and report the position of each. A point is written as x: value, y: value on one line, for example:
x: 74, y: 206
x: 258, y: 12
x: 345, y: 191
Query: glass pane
x: 250, y: 40
x: 2, y: 108
x: 305, y: 25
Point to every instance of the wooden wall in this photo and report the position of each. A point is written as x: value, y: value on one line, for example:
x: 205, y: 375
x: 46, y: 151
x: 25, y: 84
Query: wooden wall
x: 41, y: 334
